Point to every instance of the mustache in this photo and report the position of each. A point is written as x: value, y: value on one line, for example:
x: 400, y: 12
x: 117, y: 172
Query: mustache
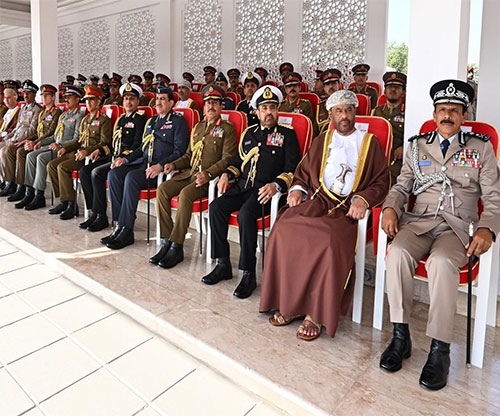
x: 446, y: 122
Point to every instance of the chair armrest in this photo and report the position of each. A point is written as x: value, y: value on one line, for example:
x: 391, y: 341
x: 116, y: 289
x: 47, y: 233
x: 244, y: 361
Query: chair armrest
x: 275, y: 200
x: 212, y: 189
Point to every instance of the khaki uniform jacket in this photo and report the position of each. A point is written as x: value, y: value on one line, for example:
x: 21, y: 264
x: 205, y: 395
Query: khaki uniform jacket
x: 300, y: 106
x: 47, y: 122
x: 370, y: 92
x: 469, y: 183
x: 219, y: 148
x: 238, y: 90
x: 118, y: 100
x: 95, y: 133
x: 27, y: 123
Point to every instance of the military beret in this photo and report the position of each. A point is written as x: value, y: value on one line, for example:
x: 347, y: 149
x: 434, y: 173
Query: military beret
x: 266, y: 94
x: 221, y: 78
x: 452, y: 91
x: 286, y: 66
x: 130, y: 89
x: 330, y: 75
x: 148, y: 74
x: 92, y: 91
x: 360, y: 69
x: 394, y: 78
x: 136, y: 79
x: 342, y: 97
x: 162, y: 77
x: 251, y: 77
x: 74, y: 90
x: 48, y: 89
x: 212, y: 92
x: 163, y: 88
x: 234, y: 73
x: 261, y: 71
x: 209, y: 70
x: 292, y: 78
x: 29, y: 85
x: 94, y: 77
x: 70, y: 78
x: 188, y: 75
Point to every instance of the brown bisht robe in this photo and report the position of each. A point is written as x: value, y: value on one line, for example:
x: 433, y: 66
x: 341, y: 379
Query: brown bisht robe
x: 309, y: 263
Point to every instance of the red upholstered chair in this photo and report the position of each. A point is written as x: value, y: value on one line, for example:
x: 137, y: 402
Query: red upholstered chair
x: 113, y: 112
x: 196, y: 86
x: 373, y: 84
x: 304, y: 87
x: 192, y: 117
x: 196, y: 96
x: 148, y: 111
x: 313, y: 99
x: 62, y: 106
x: 149, y: 94
x: 174, y: 86
x: 234, y: 96
x: 364, y: 106
x: 21, y: 103
x: 484, y: 273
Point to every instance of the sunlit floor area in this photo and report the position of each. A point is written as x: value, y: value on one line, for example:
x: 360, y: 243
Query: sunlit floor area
x: 86, y: 330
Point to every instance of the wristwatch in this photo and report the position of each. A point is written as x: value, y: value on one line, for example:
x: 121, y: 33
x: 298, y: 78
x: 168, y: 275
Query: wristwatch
x: 210, y: 175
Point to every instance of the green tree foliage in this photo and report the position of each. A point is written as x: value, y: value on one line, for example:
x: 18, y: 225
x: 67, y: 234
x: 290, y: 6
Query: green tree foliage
x: 397, y: 56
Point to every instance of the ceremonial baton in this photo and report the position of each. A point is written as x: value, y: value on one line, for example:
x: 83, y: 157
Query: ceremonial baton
x: 469, y: 296
x: 201, y: 217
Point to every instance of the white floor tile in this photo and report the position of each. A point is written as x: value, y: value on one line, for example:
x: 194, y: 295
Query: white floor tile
x: 112, y: 336
x: 148, y: 411
x: 26, y: 336
x: 12, y: 309
x: 99, y: 394
x: 263, y: 409
x: 6, y: 248
x: 15, y: 261
x: 54, y: 368
x: 80, y: 312
x: 13, y: 399
x: 214, y: 395
x: 28, y: 276
x: 34, y: 412
x: 154, y: 366
x: 4, y: 291
x: 51, y: 293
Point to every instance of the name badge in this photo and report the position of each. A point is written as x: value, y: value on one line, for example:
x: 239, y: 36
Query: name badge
x: 95, y: 123
x: 466, y: 158
x: 424, y: 163
x: 275, y: 139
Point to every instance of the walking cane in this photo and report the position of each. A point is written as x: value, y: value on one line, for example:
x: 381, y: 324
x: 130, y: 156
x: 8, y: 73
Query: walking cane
x: 149, y: 191
x: 51, y: 190
x: 263, y: 237
x: 469, y: 297
x: 201, y: 219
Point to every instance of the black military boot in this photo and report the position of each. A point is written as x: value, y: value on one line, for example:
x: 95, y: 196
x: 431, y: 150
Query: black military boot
x: 435, y: 372
x: 2, y: 185
x: 165, y: 246
x: 8, y: 189
x: 85, y: 224
x: 123, y: 239
x: 399, y: 348
x: 100, y: 223
x: 38, y: 201
x: 222, y: 271
x: 247, y: 285
x: 113, y: 235
x: 70, y: 212
x: 18, y: 195
x: 28, y: 197
x: 174, y: 256
x: 60, y: 207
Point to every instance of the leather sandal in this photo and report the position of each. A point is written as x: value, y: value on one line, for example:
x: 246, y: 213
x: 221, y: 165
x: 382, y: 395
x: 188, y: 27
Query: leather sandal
x: 279, y: 320
x: 302, y: 328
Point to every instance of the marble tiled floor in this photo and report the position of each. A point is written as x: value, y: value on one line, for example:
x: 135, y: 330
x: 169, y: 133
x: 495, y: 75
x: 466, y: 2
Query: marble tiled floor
x: 337, y: 376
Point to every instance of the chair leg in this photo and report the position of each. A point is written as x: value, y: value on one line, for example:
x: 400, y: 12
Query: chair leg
x: 209, y: 244
x: 378, y: 304
x: 158, y: 239
x: 357, y: 304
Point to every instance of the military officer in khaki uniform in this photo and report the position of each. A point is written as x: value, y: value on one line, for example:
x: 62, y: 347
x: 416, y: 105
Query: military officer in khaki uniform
x: 331, y: 83
x: 48, y: 119
x: 25, y: 131
x: 318, y: 85
x: 209, y: 75
x: 212, y: 147
x: 95, y: 139
x: 114, y: 91
x: 447, y: 171
x: 263, y: 73
x: 234, y: 81
x: 137, y: 80
x: 148, y: 81
x: 285, y: 69
x: 67, y: 131
x: 360, y: 75
x: 394, y: 112
x: 293, y: 103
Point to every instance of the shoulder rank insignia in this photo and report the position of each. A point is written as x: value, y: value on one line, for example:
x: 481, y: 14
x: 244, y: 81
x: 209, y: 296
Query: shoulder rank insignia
x: 420, y: 136
x: 480, y: 136
x: 288, y: 126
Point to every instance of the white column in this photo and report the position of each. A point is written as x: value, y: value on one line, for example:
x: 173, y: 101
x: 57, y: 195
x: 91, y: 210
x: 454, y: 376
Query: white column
x: 44, y: 41
x: 488, y: 101
x: 292, y: 47
x: 376, y: 38
x: 438, y: 46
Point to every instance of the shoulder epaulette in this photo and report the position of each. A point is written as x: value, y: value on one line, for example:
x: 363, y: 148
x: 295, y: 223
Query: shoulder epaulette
x: 288, y: 126
x: 420, y: 136
x: 176, y: 114
x: 140, y: 112
x: 480, y: 136
x: 37, y: 104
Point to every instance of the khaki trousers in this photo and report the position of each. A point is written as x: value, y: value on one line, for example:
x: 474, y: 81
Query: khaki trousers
x: 446, y: 256
x: 188, y: 193
x: 15, y: 164
x: 60, y: 170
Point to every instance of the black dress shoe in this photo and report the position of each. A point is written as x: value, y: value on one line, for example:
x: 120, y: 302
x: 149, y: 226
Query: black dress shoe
x: 9, y: 189
x: 174, y: 256
x: 124, y: 239
x: 113, y: 235
x: 60, y: 207
x: 222, y: 271
x: 18, y: 195
x: 399, y: 348
x: 100, y: 223
x: 247, y: 285
x: 70, y: 212
x: 85, y: 224
x: 28, y: 197
x: 165, y: 246
x: 38, y: 202
x: 2, y: 185
x: 435, y: 372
